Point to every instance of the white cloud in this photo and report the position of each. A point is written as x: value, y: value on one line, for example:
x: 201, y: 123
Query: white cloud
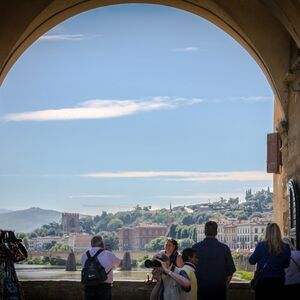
x: 67, y: 37
x: 114, y: 108
x: 186, y: 175
x: 186, y: 49
x: 108, y: 196
x: 102, y: 108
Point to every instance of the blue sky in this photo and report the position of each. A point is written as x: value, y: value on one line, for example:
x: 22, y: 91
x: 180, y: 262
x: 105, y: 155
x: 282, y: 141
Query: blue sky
x: 132, y: 104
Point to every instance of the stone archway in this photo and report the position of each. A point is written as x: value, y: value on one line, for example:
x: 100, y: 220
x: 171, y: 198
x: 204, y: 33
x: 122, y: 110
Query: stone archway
x: 268, y: 30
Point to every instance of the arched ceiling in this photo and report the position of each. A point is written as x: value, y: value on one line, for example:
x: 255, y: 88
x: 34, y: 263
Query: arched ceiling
x: 265, y: 28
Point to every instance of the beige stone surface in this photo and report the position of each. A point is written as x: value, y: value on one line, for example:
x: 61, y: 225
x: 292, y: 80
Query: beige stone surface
x: 122, y: 290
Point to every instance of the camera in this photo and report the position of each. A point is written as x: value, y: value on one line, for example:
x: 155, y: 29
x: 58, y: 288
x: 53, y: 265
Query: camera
x: 152, y: 263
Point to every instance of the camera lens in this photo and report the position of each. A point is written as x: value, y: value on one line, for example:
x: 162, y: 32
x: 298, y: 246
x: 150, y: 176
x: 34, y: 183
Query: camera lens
x: 148, y: 263
x: 156, y: 264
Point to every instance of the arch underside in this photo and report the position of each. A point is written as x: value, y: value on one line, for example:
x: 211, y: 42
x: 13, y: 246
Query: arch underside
x: 268, y: 29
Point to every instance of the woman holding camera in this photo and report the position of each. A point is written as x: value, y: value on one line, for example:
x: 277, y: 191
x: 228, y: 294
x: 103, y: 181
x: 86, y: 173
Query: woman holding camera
x: 171, y: 250
x: 170, y: 284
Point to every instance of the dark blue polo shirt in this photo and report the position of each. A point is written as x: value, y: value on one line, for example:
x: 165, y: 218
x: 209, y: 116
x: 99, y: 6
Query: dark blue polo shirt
x: 215, y: 264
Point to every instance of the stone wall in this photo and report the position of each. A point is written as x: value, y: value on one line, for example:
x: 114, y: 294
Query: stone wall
x: 122, y: 290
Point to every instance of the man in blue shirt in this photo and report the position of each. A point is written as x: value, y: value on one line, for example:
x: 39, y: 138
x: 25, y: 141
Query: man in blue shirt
x: 215, y: 265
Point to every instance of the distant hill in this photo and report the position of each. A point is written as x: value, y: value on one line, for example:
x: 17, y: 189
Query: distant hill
x: 4, y: 211
x: 28, y: 219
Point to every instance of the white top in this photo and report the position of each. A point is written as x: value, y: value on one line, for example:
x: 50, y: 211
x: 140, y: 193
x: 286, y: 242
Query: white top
x: 106, y: 258
x: 292, y: 273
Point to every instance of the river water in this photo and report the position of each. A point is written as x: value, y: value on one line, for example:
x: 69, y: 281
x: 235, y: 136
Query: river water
x: 36, y: 272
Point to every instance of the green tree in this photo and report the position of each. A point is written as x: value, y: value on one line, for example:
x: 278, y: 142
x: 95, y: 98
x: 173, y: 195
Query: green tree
x: 111, y: 240
x: 201, y: 218
x: 242, y: 216
x: 184, y: 232
x: 233, y: 202
x: 156, y: 244
x: 194, y: 235
x: 114, y: 224
x: 59, y: 247
x: 97, y: 219
x: 188, y: 220
x: 32, y: 235
x: 172, y: 231
x: 87, y: 224
x: 248, y: 195
x: 47, y: 246
x: 178, y: 232
x: 26, y: 243
x: 161, y: 216
x: 21, y: 235
x: 186, y: 243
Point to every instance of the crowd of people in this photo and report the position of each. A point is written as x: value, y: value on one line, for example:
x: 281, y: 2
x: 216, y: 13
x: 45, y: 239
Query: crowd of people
x: 205, y: 270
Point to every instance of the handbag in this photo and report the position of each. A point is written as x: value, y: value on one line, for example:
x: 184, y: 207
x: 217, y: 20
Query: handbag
x: 256, y: 280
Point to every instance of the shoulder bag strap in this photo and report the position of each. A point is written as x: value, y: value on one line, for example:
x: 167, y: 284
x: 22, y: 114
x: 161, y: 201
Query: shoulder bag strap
x: 260, y: 271
x: 296, y: 264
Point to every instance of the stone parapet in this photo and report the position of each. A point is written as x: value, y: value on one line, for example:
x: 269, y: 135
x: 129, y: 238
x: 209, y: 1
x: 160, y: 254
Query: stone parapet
x: 122, y: 290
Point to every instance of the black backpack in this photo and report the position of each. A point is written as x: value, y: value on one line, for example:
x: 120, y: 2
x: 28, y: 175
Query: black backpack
x: 93, y: 273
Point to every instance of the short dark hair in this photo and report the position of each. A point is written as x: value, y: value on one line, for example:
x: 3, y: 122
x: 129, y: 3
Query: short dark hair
x: 97, y: 241
x: 211, y: 228
x: 187, y: 253
x: 174, y: 242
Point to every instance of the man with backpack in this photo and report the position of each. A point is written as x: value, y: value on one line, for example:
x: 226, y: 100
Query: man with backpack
x: 97, y: 273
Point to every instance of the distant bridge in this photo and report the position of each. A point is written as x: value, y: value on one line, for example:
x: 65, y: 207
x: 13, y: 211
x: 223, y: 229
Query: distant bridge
x: 61, y: 255
x: 64, y: 255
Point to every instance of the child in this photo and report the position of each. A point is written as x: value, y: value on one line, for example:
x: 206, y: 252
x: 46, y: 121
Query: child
x: 190, y: 260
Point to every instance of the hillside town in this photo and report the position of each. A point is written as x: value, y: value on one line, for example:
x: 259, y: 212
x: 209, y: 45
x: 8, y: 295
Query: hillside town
x: 237, y: 234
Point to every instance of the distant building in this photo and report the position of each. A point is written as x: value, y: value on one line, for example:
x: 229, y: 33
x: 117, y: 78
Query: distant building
x: 135, y: 238
x: 38, y: 243
x: 171, y: 216
x: 70, y: 223
x: 79, y: 242
x: 238, y: 234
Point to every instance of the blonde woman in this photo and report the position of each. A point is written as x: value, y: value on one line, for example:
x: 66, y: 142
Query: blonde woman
x: 272, y: 256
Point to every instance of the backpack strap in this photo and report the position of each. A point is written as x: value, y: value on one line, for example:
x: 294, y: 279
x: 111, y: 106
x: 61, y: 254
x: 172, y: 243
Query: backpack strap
x: 94, y: 256
x: 88, y: 254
